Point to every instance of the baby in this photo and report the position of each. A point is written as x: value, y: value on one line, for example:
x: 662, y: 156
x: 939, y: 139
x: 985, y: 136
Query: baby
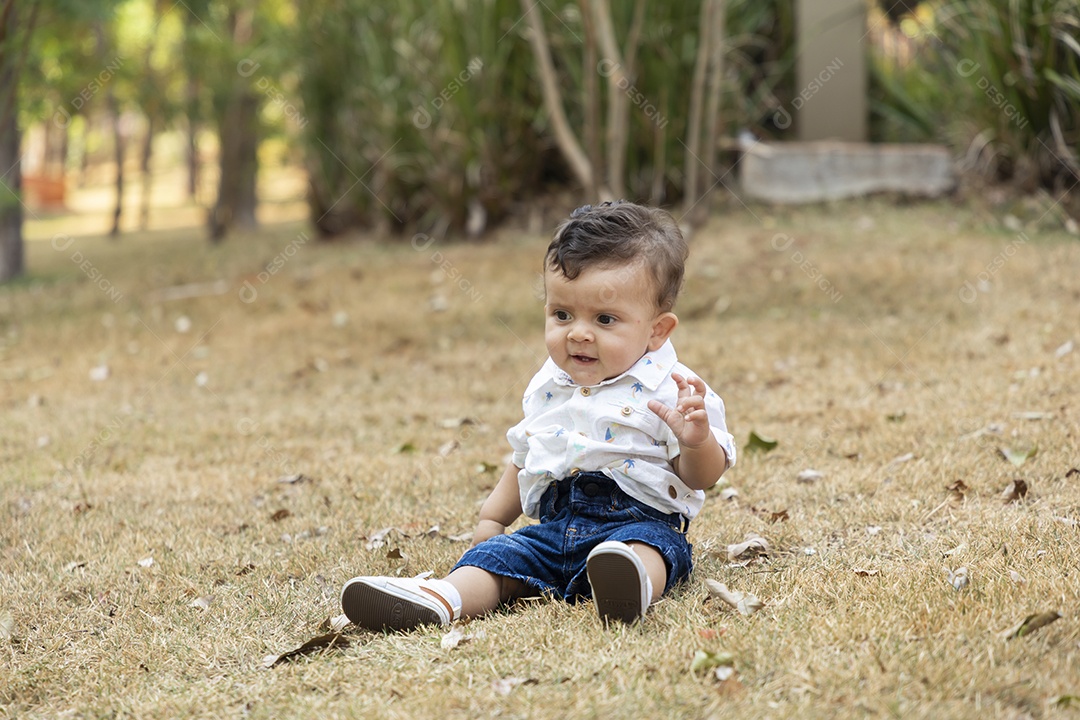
x: 618, y: 443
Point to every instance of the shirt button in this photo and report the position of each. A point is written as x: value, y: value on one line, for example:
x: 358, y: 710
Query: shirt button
x: 586, y: 391
x: 627, y: 411
x: 672, y: 492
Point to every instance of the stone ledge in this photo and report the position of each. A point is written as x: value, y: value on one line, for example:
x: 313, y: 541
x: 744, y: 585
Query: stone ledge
x: 807, y: 172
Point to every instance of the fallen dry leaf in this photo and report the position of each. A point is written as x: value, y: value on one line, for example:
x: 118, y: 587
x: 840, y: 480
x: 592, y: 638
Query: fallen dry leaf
x: 958, y: 578
x: 320, y: 642
x: 1018, y: 457
x: 506, y: 685
x: 1016, y: 490
x: 280, y: 515
x: 956, y: 492
x: 751, y: 547
x: 956, y: 550
x: 809, y: 475
x: 1030, y: 624
x: 7, y: 627
x: 455, y: 637
x: 334, y: 624
x: 865, y: 573
x: 146, y: 562
x: 378, y: 539
x: 294, y: 479
x: 202, y: 603
x: 451, y: 423
x: 907, y: 457
x: 745, y: 603
x: 448, y: 447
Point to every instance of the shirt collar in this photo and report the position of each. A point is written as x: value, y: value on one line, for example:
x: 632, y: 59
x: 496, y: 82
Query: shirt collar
x: 650, y: 370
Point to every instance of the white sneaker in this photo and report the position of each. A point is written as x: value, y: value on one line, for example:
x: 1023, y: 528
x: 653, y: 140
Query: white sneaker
x: 385, y: 603
x: 620, y: 585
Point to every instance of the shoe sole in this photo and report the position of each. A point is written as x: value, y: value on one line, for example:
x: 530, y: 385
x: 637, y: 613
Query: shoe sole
x: 616, y: 587
x: 375, y: 609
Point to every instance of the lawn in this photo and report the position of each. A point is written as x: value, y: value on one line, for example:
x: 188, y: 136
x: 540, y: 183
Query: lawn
x: 200, y: 445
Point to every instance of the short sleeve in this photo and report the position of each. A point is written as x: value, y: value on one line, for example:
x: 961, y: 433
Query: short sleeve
x: 714, y: 406
x: 519, y: 443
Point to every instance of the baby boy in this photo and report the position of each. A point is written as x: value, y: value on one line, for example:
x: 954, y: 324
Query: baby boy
x: 618, y: 443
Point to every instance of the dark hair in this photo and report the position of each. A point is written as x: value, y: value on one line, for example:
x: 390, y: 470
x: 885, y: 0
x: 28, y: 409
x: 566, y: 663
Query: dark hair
x: 614, y: 233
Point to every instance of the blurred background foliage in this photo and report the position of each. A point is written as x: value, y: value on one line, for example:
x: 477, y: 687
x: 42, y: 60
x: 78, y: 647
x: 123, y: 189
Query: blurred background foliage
x: 428, y: 116
x: 997, y: 81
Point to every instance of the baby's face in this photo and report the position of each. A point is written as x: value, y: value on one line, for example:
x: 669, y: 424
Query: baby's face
x: 600, y: 323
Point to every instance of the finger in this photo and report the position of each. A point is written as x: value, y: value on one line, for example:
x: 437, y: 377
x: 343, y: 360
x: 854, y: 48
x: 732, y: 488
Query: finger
x: 692, y: 402
x: 698, y: 416
x: 671, y: 418
x: 680, y: 382
x: 698, y: 384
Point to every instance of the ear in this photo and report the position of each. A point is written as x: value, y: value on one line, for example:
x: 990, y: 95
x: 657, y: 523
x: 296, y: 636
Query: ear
x: 662, y: 327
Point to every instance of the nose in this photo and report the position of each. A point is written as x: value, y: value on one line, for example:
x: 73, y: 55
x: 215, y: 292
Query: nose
x: 579, y: 332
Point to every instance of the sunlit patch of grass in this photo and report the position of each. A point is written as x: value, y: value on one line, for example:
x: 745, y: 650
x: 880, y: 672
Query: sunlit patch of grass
x: 358, y: 362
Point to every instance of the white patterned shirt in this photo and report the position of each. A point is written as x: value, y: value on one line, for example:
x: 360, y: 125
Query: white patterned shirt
x: 609, y: 428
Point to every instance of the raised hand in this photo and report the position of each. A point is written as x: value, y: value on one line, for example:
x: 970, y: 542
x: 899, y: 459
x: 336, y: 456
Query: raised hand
x: 688, y: 419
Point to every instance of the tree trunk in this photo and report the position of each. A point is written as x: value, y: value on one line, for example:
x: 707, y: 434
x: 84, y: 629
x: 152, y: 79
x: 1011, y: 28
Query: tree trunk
x: 235, y: 206
x: 657, y: 189
x: 147, y: 177
x: 12, y: 60
x: 590, y: 99
x: 192, y: 102
x: 620, y: 75
x: 712, y: 110
x: 692, y: 163
x: 238, y: 132
x: 11, y: 209
x: 549, y: 83
x: 118, y: 148
x: 192, y: 143
x: 118, y: 134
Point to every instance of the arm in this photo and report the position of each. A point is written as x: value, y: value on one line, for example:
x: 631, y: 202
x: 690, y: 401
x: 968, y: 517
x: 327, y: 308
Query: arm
x: 502, y: 507
x: 701, y: 460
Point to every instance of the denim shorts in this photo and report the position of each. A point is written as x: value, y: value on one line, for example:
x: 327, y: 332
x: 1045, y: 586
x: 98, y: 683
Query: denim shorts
x: 577, y: 514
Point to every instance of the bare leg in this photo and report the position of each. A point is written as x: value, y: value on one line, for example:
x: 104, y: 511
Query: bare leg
x: 654, y: 565
x: 482, y: 591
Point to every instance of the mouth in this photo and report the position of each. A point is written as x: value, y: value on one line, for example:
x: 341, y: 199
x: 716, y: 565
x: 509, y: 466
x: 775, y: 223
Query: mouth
x: 583, y: 359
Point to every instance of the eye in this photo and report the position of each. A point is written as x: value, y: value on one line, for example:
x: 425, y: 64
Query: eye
x: 561, y: 315
x: 605, y: 319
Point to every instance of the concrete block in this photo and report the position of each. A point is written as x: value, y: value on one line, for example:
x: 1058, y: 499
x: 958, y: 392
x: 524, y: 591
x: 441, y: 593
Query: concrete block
x: 806, y: 172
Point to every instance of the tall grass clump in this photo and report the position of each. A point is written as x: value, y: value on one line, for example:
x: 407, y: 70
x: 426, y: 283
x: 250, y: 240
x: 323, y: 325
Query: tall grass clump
x: 429, y: 117
x: 998, y: 80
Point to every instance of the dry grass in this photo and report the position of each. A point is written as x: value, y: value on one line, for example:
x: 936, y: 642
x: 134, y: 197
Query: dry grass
x: 341, y: 371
